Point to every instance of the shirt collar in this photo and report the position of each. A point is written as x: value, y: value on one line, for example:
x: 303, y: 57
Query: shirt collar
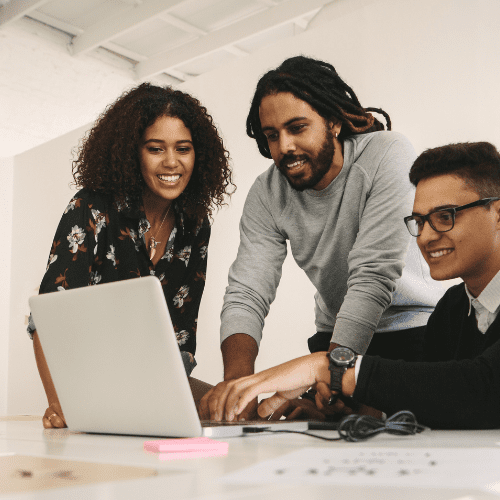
x: 489, y: 298
x: 136, y: 211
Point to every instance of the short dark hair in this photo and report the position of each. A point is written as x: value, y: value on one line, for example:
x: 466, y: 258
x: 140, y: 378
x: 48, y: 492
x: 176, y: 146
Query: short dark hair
x: 317, y: 83
x: 108, y: 158
x: 477, y: 163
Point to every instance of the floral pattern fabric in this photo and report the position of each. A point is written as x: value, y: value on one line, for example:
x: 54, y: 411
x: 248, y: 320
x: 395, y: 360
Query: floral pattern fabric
x: 99, y: 241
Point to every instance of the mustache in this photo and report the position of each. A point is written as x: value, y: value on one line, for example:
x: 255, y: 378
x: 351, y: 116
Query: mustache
x: 287, y: 159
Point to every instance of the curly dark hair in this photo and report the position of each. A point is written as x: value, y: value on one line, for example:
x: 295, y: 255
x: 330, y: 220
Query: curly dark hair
x: 108, y: 158
x: 317, y: 83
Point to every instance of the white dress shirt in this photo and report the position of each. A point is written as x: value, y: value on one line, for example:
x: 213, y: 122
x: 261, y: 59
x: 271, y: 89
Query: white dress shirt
x: 487, y: 304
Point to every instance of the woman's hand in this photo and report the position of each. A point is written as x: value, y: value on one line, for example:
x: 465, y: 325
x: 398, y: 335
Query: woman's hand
x: 54, y: 417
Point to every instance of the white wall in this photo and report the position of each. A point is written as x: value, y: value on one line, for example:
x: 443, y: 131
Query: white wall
x: 41, y: 193
x: 40, y: 78
x: 44, y: 91
x: 433, y: 65
x: 6, y: 196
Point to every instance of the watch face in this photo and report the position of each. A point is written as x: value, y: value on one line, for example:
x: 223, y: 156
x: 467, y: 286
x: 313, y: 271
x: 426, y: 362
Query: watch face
x: 342, y: 356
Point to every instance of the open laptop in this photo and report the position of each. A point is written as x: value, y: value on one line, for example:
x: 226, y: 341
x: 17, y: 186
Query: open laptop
x: 116, y: 366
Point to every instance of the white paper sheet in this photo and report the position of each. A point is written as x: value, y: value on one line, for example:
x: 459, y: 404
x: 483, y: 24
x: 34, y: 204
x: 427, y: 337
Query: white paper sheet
x: 437, y: 468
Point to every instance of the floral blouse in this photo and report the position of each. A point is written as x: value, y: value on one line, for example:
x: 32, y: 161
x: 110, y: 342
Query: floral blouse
x: 99, y: 241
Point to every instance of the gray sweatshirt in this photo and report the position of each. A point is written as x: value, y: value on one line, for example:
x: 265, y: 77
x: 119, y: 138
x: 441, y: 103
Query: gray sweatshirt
x: 349, y: 238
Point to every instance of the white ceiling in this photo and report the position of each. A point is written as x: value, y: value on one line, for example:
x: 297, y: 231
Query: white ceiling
x: 178, y: 38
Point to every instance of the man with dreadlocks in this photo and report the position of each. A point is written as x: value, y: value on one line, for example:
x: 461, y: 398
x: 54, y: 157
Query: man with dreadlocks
x: 338, y: 191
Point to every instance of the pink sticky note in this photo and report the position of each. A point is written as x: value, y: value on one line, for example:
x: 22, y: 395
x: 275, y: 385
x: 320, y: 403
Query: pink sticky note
x: 187, y: 446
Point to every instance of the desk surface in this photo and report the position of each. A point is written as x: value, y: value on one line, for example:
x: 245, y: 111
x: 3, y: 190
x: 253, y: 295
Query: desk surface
x: 198, y: 478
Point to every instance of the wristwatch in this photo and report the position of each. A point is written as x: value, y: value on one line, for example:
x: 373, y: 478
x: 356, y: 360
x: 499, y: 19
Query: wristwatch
x: 341, y: 358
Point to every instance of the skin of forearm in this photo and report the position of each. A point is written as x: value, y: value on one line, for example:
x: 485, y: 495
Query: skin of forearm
x: 239, y: 352
x: 44, y: 372
x: 349, y: 382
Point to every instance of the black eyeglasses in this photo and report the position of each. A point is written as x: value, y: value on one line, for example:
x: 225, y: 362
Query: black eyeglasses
x: 441, y: 220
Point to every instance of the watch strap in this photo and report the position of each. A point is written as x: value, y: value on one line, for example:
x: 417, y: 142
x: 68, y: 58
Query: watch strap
x: 336, y: 374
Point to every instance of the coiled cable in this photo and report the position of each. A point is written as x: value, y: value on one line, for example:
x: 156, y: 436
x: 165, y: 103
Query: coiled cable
x: 355, y: 428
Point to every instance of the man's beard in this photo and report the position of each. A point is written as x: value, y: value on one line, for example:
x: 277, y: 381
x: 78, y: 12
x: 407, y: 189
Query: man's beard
x: 319, y: 165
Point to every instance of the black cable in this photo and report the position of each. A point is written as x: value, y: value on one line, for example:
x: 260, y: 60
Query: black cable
x: 355, y: 428
x: 312, y: 435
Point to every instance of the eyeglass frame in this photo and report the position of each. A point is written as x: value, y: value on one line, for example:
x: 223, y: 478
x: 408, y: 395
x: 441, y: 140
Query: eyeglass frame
x: 452, y: 210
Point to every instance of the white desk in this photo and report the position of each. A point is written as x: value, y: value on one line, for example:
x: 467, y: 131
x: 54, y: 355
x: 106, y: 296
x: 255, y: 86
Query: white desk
x: 197, y: 478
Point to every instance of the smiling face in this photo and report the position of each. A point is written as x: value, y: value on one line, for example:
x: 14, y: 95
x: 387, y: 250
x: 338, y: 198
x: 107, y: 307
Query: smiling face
x: 167, y: 159
x: 471, y: 250
x: 301, y: 142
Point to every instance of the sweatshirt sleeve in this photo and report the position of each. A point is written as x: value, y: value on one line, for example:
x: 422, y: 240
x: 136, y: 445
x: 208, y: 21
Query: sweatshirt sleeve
x: 255, y: 274
x: 452, y: 394
x: 376, y: 260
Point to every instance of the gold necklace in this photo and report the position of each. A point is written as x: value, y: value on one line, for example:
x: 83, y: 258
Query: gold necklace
x: 153, y: 243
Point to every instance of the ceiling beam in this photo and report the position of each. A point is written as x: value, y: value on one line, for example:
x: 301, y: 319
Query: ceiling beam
x: 271, y: 18
x: 56, y: 23
x: 301, y: 23
x: 235, y: 51
x: 270, y: 3
x: 179, y: 23
x: 16, y: 9
x: 122, y: 51
x: 178, y: 74
x: 107, y: 29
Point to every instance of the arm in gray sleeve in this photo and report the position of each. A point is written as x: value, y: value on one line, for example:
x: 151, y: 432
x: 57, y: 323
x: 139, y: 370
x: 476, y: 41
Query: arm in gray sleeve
x: 376, y: 260
x: 255, y: 274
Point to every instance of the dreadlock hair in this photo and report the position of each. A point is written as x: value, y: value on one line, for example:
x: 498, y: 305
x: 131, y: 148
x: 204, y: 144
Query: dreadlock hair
x: 108, y: 158
x: 317, y: 83
x: 476, y: 163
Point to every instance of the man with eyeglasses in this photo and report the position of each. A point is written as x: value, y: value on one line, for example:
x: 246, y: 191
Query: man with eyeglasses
x: 456, y: 221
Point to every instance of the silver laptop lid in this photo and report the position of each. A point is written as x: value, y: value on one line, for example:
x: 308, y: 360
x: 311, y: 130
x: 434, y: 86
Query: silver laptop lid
x: 113, y: 356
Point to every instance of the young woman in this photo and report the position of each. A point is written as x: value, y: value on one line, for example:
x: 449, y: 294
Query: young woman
x: 151, y: 171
